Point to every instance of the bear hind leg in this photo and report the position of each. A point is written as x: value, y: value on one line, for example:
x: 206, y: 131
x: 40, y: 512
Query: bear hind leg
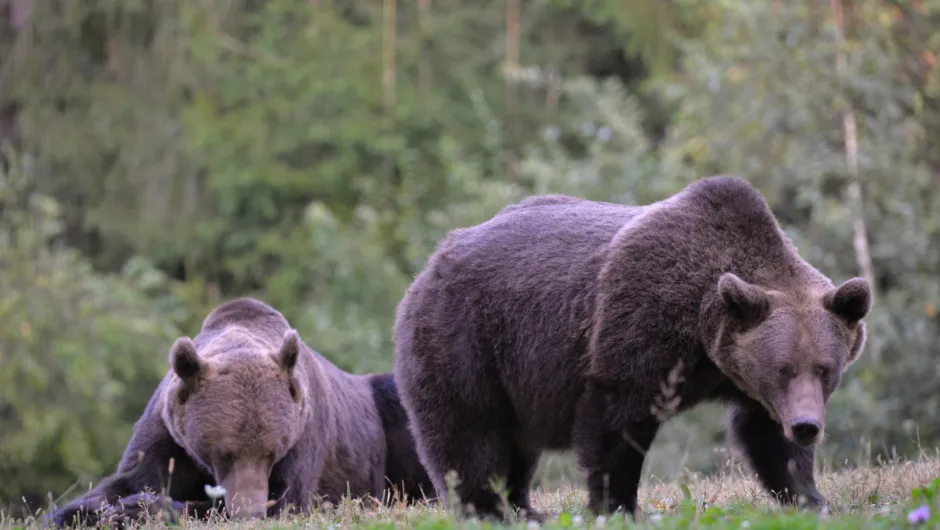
x: 455, y: 432
x: 477, y: 457
x: 784, y: 468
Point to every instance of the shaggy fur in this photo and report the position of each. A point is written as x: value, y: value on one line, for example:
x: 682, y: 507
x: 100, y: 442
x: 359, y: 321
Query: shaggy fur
x: 555, y: 324
x: 404, y: 475
x: 247, y: 405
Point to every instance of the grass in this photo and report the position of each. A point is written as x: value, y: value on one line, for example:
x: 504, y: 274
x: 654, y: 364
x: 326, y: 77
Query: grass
x: 877, y: 498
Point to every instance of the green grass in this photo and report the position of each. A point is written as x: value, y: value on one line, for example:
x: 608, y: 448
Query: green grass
x: 876, y: 498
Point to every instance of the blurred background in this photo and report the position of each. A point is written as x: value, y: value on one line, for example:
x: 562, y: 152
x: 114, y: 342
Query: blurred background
x: 160, y: 157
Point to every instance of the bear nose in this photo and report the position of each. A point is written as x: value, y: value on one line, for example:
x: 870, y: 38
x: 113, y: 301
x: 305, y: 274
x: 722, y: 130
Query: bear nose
x: 805, y: 430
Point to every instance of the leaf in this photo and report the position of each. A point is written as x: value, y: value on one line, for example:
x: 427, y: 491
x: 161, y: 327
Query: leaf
x: 686, y: 493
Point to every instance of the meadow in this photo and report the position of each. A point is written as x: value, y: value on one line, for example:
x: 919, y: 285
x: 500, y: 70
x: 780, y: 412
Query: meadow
x: 159, y: 158
x: 902, y: 494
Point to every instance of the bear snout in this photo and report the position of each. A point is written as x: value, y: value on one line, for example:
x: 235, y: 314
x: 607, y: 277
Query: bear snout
x: 803, y: 411
x: 247, y: 505
x: 246, y: 492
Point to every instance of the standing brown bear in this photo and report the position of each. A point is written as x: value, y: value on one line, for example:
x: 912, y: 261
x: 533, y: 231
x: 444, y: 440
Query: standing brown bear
x: 554, y: 324
x: 249, y: 407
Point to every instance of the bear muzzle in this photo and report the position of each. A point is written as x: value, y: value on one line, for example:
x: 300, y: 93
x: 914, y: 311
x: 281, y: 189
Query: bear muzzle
x: 803, y: 413
x: 246, y: 492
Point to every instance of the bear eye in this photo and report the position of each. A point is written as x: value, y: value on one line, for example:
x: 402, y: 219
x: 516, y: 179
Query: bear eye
x: 227, y: 457
x: 787, y: 372
x: 823, y: 372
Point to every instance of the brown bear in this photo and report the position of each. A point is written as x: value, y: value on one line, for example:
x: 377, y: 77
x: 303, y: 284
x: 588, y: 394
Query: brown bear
x: 554, y: 325
x: 249, y: 407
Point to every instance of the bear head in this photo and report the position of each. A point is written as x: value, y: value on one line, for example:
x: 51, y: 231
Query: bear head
x: 787, y: 349
x: 237, y: 409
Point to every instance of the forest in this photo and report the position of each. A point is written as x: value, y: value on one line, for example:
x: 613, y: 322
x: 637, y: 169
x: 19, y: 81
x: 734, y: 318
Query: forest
x: 162, y: 156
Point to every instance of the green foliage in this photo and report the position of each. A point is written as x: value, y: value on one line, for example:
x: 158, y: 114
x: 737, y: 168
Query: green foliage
x: 759, y: 96
x: 76, y: 348
x: 646, y: 28
x: 927, y: 493
x: 767, y: 75
x: 177, y: 153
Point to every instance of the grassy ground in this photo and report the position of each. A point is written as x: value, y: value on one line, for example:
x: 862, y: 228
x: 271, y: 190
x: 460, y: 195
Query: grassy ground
x: 879, y: 498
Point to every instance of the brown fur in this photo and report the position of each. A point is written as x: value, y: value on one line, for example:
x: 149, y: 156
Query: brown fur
x: 247, y: 405
x: 554, y: 324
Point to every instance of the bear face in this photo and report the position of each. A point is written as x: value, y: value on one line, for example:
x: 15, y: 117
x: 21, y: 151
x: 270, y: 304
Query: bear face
x: 788, y: 351
x: 237, y: 409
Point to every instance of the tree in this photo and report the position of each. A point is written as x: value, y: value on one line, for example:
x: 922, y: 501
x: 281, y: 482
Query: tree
x: 79, y: 351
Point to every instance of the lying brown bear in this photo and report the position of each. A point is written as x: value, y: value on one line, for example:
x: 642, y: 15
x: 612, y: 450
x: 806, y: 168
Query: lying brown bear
x: 555, y: 323
x: 249, y: 407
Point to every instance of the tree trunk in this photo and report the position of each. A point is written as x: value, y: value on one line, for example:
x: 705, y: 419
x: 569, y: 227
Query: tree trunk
x: 512, y: 66
x: 850, y: 135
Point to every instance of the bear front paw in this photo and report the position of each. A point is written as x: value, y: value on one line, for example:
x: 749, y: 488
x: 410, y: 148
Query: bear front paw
x: 141, y: 505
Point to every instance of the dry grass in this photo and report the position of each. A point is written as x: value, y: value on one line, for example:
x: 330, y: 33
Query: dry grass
x: 864, y: 497
x: 850, y: 489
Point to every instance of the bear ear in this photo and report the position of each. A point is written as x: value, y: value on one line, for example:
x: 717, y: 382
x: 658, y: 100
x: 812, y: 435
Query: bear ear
x: 745, y: 302
x: 184, y: 359
x: 290, y: 350
x: 856, y: 350
x: 851, y: 300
